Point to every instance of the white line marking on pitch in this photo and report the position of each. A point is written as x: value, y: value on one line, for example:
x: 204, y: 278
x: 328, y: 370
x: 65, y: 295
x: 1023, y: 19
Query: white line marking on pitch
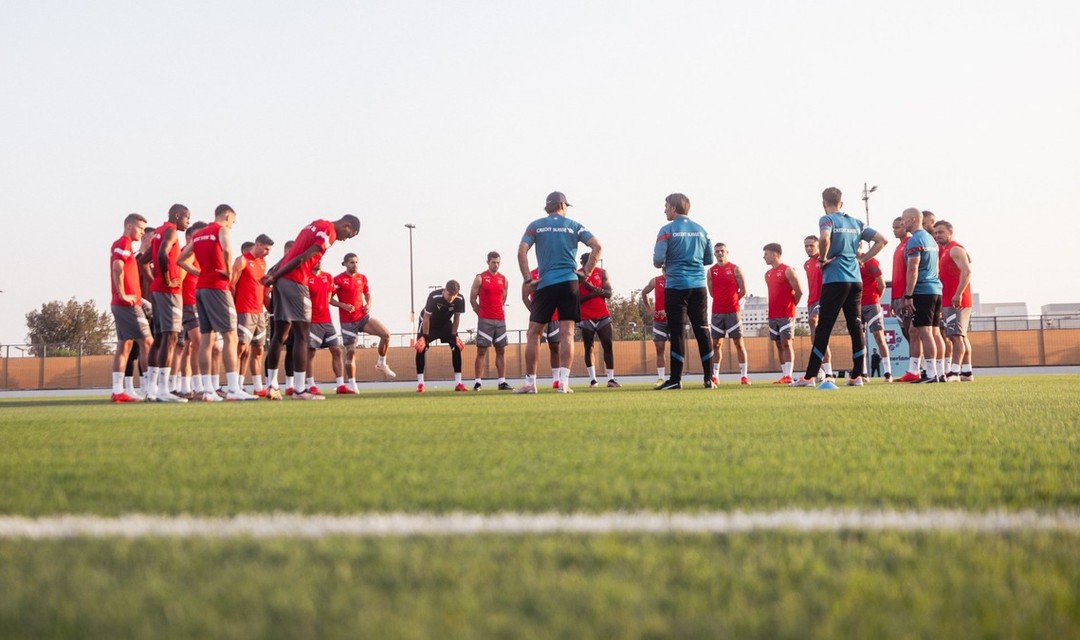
x: 457, y: 524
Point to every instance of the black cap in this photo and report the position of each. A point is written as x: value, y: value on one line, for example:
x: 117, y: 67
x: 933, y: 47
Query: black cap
x: 557, y: 197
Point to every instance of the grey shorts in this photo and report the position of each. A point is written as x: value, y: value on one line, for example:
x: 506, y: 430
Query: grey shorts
x: 873, y: 317
x: 956, y: 320
x: 595, y: 325
x: 551, y: 332
x: 491, y: 332
x: 780, y: 328
x: 216, y: 310
x: 292, y: 301
x: 251, y: 328
x: 660, y: 331
x: 726, y: 325
x: 131, y: 323
x: 814, y: 309
x: 168, y: 312
x: 191, y: 318
x: 351, y: 330
x: 322, y: 335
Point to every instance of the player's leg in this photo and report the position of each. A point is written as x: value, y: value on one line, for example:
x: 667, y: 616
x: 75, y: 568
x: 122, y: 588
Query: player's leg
x: 336, y: 365
x: 675, y: 301
x: 478, y: 365
x: 853, y: 317
x: 832, y: 299
x: 588, y: 335
x: 607, y: 343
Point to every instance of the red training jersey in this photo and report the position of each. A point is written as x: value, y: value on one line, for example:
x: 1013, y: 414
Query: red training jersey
x: 596, y: 307
x: 492, y: 293
x: 725, y: 288
x: 899, y: 270
x: 187, y: 289
x: 129, y: 277
x: 158, y: 283
x: 950, y: 277
x: 350, y: 289
x: 211, y: 257
x: 250, y: 292
x: 813, y: 280
x: 781, y: 294
x: 321, y: 234
x: 320, y: 286
x: 870, y: 271
x: 659, y: 313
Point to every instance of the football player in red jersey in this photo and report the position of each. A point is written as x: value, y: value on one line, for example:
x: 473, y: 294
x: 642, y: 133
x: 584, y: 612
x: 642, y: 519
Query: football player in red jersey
x: 784, y: 296
x: 812, y: 267
x: 131, y: 324
x: 660, y: 333
x: 354, y: 312
x: 251, y: 297
x: 322, y: 334
x: 727, y: 288
x: 955, y: 273
x: 594, y: 291
x: 166, y: 299
x: 292, y: 299
x: 487, y: 297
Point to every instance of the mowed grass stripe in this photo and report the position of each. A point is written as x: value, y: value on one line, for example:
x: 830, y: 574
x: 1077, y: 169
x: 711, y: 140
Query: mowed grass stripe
x: 458, y: 524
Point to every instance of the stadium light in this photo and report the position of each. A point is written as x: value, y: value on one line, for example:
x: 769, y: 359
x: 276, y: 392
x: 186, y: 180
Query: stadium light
x: 412, y: 294
x: 866, y: 199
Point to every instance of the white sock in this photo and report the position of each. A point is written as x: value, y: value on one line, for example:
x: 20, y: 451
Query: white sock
x: 299, y: 380
x: 196, y: 384
x: 257, y: 383
x: 232, y: 379
x: 887, y: 363
x: 289, y: 382
x: 208, y: 383
x: 913, y: 365
x: 931, y: 368
x: 339, y: 381
x: 352, y: 384
x: 592, y: 372
x: 163, y: 382
x: 151, y: 381
x: 530, y: 380
x: 420, y: 378
x: 610, y: 374
x: 786, y: 368
x: 941, y: 367
x: 129, y: 384
x: 271, y: 378
x: 457, y: 378
x: 743, y: 368
x: 477, y: 381
x: 564, y: 377
x: 501, y: 380
x: 660, y: 372
x: 716, y: 370
x: 826, y: 367
x: 555, y: 374
x: 954, y: 368
x: 948, y: 364
x: 382, y: 360
x: 965, y: 368
x: 118, y: 382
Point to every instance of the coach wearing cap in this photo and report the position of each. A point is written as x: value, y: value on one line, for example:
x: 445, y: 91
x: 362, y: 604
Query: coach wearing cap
x: 556, y: 289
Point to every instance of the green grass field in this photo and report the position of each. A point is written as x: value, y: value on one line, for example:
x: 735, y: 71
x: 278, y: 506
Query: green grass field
x: 1003, y: 443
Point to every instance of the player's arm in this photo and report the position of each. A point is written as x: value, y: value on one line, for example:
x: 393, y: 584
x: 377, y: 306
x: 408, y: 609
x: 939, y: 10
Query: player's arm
x: 284, y: 267
x: 506, y: 290
x: 118, y: 282
x: 186, y: 259
x: 161, y: 260
x: 913, y: 261
x: 879, y: 282
x: 793, y: 280
x: 526, y: 297
x: 605, y: 285
x: 474, y: 294
x: 226, y: 251
x: 824, y: 242
x: 740, y: 282
x: 649, y: 288
x: 523, y: 261
x: 877, y: 243
x: 238, y: 267
x: 366, y: 306
x: 594, y: 256
x: 959, y: 255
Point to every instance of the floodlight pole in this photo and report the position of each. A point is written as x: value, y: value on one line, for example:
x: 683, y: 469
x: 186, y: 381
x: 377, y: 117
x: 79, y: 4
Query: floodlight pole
x: 412, y: 293
x: 866, y: 200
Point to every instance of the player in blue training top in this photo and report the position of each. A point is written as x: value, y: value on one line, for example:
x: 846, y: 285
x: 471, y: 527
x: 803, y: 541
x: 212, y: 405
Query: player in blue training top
x: 682, y: 250
x: 841, y: 284
x: 922, y: 293
x: 556, y: 238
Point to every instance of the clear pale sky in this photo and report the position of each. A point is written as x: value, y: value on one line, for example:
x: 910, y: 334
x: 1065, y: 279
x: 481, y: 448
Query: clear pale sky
x: 461, y: 117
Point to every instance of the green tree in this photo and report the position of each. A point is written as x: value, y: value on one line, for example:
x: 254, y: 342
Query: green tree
x: 629, y: 317
x: 66, y: 328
